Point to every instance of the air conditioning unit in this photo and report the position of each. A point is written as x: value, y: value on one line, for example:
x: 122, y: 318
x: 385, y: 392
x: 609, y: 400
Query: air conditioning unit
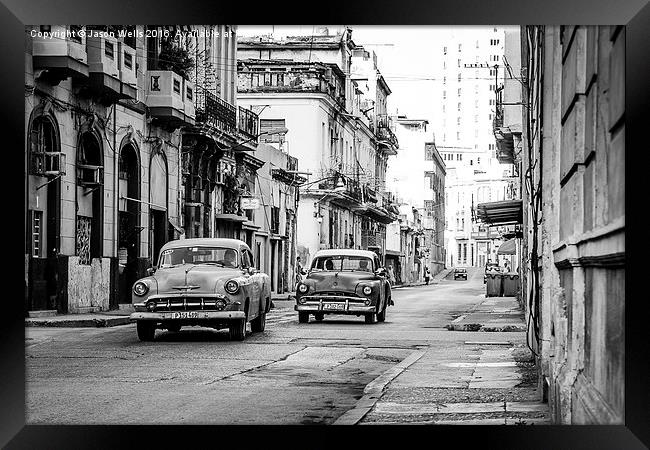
x: 90, y: 175
x: 127, y: 65
x: 49, y: 163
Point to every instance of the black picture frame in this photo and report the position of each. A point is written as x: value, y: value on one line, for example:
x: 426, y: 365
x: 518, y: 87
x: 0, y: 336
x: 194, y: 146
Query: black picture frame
x: 634, y: 14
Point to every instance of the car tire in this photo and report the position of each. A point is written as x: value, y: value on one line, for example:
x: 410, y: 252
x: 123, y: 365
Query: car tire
x: 371, y: 318
x: 303, y: 317
x: 237, y: 330
x: 259, y: 323
x: 381, y: 317
x: 146, y: 330
x: 319, y: 317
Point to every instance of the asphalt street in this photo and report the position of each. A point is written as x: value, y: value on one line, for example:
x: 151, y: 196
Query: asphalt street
x: 290, y: 374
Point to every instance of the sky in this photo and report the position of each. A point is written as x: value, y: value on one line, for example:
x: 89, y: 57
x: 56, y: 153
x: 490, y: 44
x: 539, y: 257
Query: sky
x: 406, y: 58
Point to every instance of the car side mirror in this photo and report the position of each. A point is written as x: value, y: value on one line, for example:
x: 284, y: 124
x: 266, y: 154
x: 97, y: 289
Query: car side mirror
x: 151, y: 271
x: 251, y: 270
x: 380, y: 272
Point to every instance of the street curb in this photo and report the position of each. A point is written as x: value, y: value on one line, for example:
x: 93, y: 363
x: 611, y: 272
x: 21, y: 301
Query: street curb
x: 375, y: 389
x: 83, y: 323
x: 484, y: 328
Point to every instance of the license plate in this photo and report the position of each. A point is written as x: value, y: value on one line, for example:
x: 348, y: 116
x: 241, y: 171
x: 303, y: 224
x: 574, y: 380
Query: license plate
x: 185, y: 315
x: 334, y: 306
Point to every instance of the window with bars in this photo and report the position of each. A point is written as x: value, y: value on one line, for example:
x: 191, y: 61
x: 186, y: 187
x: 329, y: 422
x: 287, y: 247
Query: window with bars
x: 37, y: 233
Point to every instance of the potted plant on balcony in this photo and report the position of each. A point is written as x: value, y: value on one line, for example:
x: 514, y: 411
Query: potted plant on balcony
x: 175, y: 58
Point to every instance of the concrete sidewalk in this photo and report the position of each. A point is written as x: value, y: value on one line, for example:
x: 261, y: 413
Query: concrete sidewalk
x: 497, y: 314
x: 109, y: 318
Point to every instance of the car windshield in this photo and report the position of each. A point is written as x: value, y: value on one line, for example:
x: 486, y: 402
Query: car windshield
x: 343, y: 262
x: 218, y: 256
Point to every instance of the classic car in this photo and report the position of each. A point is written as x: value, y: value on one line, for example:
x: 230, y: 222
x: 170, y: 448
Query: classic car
x: 344, y: 281
x: 460, y: 272
x: 204, y: 282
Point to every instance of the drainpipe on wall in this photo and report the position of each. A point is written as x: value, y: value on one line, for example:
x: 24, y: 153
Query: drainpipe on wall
x: 115, y: 183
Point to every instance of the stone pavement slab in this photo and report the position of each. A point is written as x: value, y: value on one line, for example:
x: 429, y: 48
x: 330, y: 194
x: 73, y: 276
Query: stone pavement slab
x: 494, y: 314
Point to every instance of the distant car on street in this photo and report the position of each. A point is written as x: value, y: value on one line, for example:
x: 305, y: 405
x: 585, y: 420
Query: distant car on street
x: 344, y: 281
x: 205, y: 282
x: 460, y: 272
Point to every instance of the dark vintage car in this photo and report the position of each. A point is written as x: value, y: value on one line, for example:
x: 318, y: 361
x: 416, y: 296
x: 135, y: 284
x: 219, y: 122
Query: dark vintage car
x: 460, y: 272
x: 344, y: 281
x: 204, y: 282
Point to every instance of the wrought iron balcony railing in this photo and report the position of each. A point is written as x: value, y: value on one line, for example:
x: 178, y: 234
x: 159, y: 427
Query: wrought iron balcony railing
x: 212, y: 110
x: 248, y: 123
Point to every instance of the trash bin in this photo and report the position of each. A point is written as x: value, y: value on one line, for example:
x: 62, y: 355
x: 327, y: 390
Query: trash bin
x: 510, y: 284
x: 494, y: 285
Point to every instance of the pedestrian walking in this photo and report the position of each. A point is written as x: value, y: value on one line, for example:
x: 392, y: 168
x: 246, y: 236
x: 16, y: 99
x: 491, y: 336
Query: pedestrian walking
x: 299, y: 271
x: 391, y: 276
x: 427, y: 275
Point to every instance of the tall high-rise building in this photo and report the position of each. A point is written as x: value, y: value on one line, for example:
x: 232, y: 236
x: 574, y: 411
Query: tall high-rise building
x: 470, y: 75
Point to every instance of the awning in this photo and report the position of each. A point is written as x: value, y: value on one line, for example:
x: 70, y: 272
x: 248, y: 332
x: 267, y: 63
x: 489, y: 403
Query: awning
x: 500, y: 213
x: 508, y: 248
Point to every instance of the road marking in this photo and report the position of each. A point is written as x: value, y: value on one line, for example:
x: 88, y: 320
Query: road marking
x: 374, y: 390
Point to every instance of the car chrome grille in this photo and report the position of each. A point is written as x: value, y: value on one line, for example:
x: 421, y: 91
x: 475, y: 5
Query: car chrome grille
x: 335, y: 293
x: 186, y: 304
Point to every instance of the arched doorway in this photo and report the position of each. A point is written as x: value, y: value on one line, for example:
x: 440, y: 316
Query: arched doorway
x: 90, y: 183
x: 128, y: 220
x: 158, y: 229
x: 46, y: 166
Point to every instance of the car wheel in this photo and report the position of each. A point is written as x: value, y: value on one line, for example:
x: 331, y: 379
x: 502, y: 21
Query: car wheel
x: 303, y: 317
x: 174, y: 328
x: 319, y: 316
x: 381, y: 317
x: 371, y: 318
x: 237, y: 330
x: 259, y: 323
x: 146, y: 330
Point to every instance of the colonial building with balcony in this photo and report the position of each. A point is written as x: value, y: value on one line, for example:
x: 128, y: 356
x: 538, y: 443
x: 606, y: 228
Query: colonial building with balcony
x: 102, y: 151
x: 342, y: 204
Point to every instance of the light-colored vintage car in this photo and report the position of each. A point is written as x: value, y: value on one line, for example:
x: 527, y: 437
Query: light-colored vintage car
x: 344, y: 281
x: 204, y: 282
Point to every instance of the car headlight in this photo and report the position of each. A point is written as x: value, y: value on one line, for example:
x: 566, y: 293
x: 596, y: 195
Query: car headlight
x: 140, y: 288
x: 231, y: 287
x: 303, y: 288
x: 367, y: 290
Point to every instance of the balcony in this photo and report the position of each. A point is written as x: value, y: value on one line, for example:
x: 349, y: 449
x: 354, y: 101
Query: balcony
x: 248, y: 124
x: 312, y: 80
x: 169, y: 98
x: 62, y: 56
x: 386, y: 135
x: 105, y: 56
x: 485, y: 235
x: 215, y: 112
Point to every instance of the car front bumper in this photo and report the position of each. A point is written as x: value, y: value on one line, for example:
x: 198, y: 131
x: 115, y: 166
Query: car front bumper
x: 319, y: 305
x: 188, y: 315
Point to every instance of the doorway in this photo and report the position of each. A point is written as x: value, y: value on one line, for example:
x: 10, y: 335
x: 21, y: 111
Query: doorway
x: 158, y: 232
x: 128, y: 222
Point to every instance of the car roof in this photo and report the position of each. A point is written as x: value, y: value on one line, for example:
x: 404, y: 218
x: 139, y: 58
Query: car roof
x: 346, y: 252
x: 461, y: 268
x: 205, y: 242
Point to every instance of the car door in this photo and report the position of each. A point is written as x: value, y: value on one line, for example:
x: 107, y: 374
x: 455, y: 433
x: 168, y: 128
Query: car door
x: 382, y: 283
x: 254, y: 282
